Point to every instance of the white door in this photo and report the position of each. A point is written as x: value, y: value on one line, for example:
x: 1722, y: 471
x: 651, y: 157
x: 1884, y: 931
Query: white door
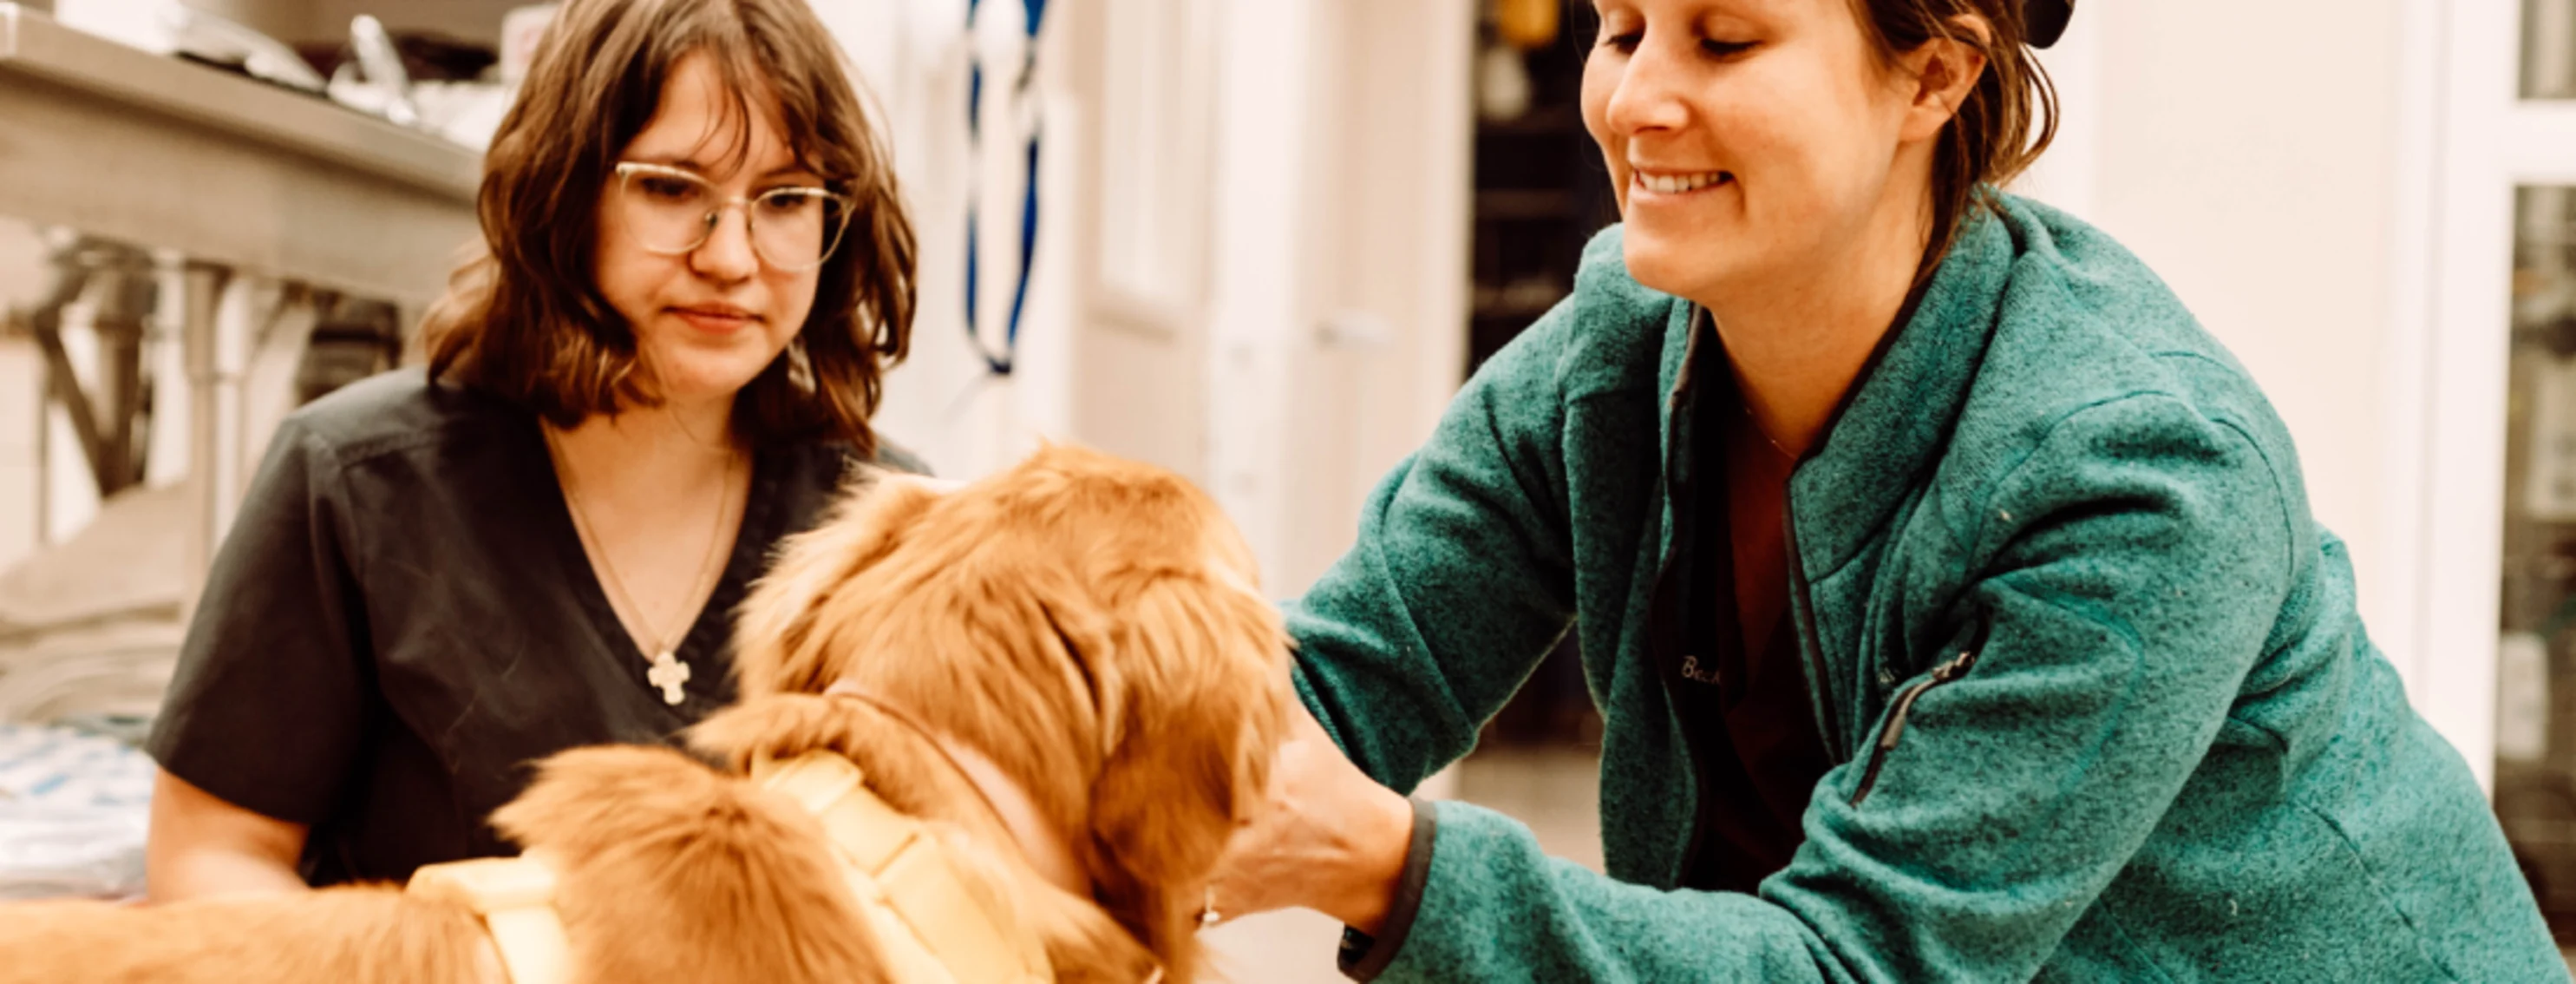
x: 1107, y: 345
x: 2494, y: 146
x: 2495, y: 645
x: 1339, y: 297
x: 1340, y: 312
x: 1144, y: 75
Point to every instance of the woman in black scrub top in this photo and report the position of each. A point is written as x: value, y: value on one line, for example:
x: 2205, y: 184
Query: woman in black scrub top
x: 697, y: 270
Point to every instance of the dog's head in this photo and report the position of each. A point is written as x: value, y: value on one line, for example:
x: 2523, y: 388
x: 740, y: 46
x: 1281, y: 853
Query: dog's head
x: 1092, y: 625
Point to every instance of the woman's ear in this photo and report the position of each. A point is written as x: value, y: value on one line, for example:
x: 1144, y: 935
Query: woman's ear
x: 1944, y: 70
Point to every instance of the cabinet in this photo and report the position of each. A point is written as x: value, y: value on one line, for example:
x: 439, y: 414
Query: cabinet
x: 1541, y: 191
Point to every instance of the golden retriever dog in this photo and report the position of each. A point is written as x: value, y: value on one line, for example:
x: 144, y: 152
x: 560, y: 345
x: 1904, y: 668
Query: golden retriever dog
x: 668, y: 870
x: 1064, y: 672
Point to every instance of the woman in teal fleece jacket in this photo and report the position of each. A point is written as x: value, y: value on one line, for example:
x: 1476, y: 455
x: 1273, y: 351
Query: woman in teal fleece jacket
x: 1951, y: 598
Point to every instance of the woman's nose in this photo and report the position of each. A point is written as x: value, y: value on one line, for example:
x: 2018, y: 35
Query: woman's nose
x: 1646, y: 96
x: 727, y: 254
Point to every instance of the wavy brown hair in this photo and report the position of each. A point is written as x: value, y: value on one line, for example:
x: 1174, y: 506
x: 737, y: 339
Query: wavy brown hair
x: 525, y: 319
x: 2009, y: 118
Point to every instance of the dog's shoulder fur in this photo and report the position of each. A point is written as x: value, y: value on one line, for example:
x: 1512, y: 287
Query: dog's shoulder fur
x: 668, y: 870
x: 1083, y: 943
x: 1091, y: 625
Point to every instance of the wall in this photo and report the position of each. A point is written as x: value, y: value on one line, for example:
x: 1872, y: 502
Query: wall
x: 1389, y: 259
x: 1340, y: 300
x: 1294, y: 327
x: 912, y: 60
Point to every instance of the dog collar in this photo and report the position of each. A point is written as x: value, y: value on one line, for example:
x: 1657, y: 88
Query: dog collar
x: 1043, y: 846
x: 933, y: 924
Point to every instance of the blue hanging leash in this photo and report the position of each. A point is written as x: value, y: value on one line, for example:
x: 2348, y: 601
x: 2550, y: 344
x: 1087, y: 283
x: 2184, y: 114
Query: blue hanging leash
x: 1001, y: 364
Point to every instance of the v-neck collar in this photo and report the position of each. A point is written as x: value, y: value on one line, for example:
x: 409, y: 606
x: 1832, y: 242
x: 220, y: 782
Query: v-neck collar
x: 704, y: 645
x: 1893, y: 421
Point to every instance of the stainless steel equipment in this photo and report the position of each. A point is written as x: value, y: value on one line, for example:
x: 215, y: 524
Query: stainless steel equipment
x: 237, y: 177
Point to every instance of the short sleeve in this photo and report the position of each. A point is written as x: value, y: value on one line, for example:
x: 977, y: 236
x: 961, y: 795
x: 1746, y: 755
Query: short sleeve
x: 268, y: 707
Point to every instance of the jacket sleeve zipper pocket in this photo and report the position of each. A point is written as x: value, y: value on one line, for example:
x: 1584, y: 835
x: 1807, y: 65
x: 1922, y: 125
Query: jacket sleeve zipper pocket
x: 1894, y: 730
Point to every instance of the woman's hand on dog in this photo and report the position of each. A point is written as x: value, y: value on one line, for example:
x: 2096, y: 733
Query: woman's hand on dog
x: 1331, y: 839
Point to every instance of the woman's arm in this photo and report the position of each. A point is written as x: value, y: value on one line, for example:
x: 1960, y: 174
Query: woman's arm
x: 265, y: 716
x: 1464, y: 570
x: 2134, y: 566
x: 1463, y: 577
x: 202, y: 846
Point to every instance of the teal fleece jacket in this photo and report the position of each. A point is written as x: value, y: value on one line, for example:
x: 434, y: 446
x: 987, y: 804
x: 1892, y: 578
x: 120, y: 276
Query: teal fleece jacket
x: 2099, y: 700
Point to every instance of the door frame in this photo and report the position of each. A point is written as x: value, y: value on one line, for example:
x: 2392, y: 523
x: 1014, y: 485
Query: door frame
x: 2467, y: 141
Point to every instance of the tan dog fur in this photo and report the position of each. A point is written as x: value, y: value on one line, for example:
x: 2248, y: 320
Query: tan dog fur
x: 668, y: 871
x: 1088, y: 625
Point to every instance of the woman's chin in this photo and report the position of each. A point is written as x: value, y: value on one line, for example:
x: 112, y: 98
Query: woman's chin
x: 700, y: 379
x: 1672, y: 267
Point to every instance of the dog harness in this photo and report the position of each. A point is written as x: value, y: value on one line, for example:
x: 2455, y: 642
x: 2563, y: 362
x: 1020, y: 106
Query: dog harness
x: 933, y: 924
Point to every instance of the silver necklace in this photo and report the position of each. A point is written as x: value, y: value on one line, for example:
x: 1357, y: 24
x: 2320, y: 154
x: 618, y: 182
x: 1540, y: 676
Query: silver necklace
x: 1755, y: 425
x: 666, y: 671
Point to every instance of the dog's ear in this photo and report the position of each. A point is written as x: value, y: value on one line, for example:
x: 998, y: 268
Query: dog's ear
x: 1201, y: 667
x: 773, y: 644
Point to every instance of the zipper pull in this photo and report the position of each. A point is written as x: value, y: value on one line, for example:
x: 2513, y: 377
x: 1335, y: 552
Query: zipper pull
x: 1955, y: 668
x: 1896, y: 719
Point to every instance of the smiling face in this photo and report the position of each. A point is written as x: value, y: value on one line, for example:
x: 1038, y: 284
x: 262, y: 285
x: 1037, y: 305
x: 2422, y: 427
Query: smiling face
x: 1752, y: 143
x: 707, y: 320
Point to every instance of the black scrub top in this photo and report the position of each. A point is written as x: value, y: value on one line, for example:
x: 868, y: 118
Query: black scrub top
x: 402, y: 620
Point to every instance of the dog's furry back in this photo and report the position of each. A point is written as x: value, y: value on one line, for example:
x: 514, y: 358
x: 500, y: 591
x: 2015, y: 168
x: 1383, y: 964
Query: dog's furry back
x: 353, y: 934
x: 674, y: 872
x: 1090, y: 624
x: 666, y: 871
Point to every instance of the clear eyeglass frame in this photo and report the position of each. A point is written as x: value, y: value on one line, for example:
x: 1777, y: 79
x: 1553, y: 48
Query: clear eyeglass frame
x: 838, y: 208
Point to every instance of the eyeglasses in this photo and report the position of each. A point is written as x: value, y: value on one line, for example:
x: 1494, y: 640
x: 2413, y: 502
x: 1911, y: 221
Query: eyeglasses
x: 671, y: 211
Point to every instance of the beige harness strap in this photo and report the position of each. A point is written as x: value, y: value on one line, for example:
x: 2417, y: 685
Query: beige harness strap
x: 934, y: 925
x: 515, y: 898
